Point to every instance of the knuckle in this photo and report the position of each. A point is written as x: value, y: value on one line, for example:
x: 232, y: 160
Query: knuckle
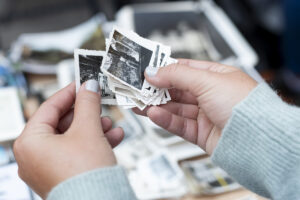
x: 44, y: 104
x: 183, y: 61
x: 17, y: 147
x: 21, y: 174
x: 170, y: 71
x: 168, y: 124
x: 175, y: 68
x: 184, y: 128
x: 20, y: 147
x: 214, y: 67
x: 180, y: 111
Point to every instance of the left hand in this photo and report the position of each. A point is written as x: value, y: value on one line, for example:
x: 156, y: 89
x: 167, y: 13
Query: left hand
x: 59, y: 142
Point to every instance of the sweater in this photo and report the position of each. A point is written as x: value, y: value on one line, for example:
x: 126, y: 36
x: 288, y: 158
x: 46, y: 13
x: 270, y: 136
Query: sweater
x: 259, y: 148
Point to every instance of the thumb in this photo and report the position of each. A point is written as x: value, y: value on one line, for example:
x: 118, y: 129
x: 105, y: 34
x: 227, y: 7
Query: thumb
x: 179, y: 76
x: 87, y: 108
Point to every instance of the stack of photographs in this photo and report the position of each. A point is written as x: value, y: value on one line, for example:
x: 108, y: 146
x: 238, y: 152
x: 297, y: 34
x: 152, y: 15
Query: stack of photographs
x: 120, y: 70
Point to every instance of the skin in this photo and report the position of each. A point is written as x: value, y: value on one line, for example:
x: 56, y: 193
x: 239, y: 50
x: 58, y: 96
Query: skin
x: 59, y: 142
x: 203, y: 96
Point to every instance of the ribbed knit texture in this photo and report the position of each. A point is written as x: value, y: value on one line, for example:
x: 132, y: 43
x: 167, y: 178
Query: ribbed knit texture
x: 100, y: 184
x: 260, y: 145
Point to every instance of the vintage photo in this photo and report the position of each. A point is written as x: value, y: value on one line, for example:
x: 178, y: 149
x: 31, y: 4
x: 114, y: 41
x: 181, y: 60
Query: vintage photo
x: 120, y: 69
x: 162, y: 52
x: 156, y: 58
x: 127, y: 60
x: 88, y: 66
x: 105, y: 91
x: 155, y: 62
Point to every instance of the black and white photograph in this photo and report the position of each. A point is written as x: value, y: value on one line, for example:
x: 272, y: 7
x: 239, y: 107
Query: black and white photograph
x: 105, y: 91
x: 88, y: 66
x: 121, y: 70
x: 164, y: 54
x: 127, y: 60
x: 155, y: 62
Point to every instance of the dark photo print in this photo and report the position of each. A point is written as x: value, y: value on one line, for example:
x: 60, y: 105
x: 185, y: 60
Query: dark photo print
x: 155, y: 62
x: 105, y: 91
x: 89, y: 67
x: 162, y: 56
x: 128, y: 60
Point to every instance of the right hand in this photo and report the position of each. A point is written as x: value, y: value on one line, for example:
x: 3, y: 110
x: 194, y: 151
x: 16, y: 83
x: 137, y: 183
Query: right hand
x: 203, y: 96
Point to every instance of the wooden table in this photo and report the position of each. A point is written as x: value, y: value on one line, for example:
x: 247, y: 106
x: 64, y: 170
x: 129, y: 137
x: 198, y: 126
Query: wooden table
x: 235, y: 195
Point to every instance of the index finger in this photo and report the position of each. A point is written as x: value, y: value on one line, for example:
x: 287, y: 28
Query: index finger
x: 206, y: 65
x: 55, y: 107
x: 181, y: 77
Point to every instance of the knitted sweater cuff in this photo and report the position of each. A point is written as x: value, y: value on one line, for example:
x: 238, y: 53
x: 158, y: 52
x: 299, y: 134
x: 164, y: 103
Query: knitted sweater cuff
x: 105, y: 183
x: 260, y: 142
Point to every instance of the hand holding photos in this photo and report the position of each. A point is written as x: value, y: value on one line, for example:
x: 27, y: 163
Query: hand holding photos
x: 87, y: 66
x: 120, y: 70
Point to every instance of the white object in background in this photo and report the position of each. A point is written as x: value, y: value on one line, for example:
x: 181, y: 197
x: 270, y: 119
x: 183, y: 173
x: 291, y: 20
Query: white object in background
x: 245, y: 55
x: 65, y: 40
x: 11, y: 186
x: 11, y: 116
x: 157, y: 177
x: 65, y: 72
x: 4, y: 156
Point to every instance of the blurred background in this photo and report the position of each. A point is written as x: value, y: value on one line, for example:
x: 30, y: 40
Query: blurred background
x: 37, y: 39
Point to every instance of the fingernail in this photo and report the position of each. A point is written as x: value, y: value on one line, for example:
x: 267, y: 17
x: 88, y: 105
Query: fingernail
x: 92, y: 85
x: 151, y: 71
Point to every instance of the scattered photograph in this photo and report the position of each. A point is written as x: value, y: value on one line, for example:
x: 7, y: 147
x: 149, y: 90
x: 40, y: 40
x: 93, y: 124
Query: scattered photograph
x: 206, y: 178
x: 161, y: 167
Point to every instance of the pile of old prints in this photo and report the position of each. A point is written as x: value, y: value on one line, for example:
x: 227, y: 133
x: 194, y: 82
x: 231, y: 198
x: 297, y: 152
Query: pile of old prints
x: 120, y: 70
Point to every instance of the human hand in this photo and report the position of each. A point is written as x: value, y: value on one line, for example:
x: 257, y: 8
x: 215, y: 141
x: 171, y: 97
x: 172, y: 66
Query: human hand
x: 203, y: 96
x: 59, y: 142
